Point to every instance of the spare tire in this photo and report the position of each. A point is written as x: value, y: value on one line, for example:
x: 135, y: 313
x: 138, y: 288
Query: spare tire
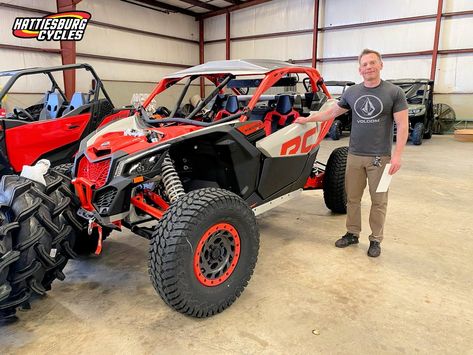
x: 28, y: 239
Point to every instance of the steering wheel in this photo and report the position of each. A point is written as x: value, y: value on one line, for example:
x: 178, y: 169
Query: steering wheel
x: 21, y: 111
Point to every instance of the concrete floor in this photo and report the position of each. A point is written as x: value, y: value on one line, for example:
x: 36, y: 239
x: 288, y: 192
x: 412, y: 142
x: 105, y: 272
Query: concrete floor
x: 306, y: 296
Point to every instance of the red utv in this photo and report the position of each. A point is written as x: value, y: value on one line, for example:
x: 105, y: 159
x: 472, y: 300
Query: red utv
x: 36, y: 238
x: 201, y: 173
x: 52, y: 128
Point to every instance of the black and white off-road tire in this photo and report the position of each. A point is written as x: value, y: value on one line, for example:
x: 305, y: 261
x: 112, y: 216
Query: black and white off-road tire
x: 31, y: 234
x: 335, y: 131
x: 204, y: 251
x: 335, y: 196
x: 80, y: 241
x: 417, y: 133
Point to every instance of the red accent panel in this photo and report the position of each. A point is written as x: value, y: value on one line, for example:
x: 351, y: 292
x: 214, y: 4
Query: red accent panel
x: 139, y: 201
x: 160, y: 87
x: 83, y: 189
x: 224, y: 113
x: 112, y: 142
x: 268, y: 119
x: 315, y: 182
x: 251, y: 127
x: 28, y: 142
x: 198, y: 251
x: 156, y: 199
x: 96, y: 173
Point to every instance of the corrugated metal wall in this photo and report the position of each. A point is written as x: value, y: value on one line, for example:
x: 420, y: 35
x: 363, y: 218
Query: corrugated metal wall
x: 454, y: 72
x: 121, y: 78
x: 453, y: 76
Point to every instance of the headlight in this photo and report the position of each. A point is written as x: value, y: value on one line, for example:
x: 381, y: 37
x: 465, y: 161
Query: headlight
x: 415, y: 111
x: 141, y: 166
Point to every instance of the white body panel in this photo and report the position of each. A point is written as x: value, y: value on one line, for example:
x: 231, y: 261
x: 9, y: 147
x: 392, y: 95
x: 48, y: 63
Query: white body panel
x: 295, y: 139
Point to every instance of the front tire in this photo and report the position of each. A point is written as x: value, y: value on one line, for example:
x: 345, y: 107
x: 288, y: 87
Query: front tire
x: 204, y: 251
x: 417, y: 133
x: 335, y: 196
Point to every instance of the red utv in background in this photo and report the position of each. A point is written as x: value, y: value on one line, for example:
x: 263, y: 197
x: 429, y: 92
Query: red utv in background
x: 39, y: 229
x: 52, y: 128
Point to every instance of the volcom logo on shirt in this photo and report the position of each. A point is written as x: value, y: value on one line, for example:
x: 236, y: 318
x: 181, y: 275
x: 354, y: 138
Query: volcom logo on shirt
x: 368, y: 107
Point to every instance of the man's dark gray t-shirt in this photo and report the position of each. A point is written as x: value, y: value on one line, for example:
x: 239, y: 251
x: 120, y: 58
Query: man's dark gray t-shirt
x: 372, y: 116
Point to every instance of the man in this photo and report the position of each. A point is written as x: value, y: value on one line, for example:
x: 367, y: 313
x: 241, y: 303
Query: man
x: 375, y: 103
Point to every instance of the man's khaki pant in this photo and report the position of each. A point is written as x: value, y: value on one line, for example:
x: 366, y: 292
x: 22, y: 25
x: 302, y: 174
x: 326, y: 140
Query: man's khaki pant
x: 359, y: 168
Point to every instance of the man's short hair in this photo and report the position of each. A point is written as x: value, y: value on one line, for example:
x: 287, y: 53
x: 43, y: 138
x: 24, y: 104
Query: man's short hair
x: 369, y: 51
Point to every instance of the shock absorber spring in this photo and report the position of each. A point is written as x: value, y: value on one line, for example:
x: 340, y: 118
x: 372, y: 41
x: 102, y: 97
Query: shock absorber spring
x: 171, y: 181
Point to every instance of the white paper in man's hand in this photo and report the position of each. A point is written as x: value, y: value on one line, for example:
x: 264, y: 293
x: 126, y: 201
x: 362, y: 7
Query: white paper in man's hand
x: 385, y: 180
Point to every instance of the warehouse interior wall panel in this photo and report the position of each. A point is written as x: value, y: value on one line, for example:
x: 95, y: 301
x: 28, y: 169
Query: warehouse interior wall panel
x: 137, y: 46
x: 112, y: 70
x: 216, y: 51
x: 8, y: 16
x: 121, y: 93
x: 46, y: 5
x: 457, y: 5
x: 394, y: 68
x: 274, y: 16
x: 282, y: 48
x: 215, y: 28
x: 455, y: 74
x: 456, y: 32
x: 343, y: 12
x: 393, y: 38
x: 461, y: 103
x: 132, y: 16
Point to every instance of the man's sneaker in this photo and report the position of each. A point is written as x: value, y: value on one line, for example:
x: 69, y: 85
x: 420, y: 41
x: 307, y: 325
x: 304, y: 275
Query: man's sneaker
x: 374, y: 249
x: 346, y: 240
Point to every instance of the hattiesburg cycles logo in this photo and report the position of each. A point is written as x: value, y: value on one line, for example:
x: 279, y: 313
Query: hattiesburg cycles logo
x: 368, y: 107
x: 63, y: 26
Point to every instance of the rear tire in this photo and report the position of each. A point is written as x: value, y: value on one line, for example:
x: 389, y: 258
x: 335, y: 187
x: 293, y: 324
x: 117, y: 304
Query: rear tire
x: 335, y: 131
x: 417, y: 133
x: 335, y: 196
x: 428, y: 134
x: 204, y: 251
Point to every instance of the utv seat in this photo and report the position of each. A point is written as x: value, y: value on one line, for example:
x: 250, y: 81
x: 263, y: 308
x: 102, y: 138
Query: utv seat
x: 51, y: 107
x: 282, y: 116
x: 231, y: 107
x: 77, y: 100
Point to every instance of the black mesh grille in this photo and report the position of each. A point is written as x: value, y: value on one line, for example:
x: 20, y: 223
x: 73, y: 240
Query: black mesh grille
x: 104, y: 199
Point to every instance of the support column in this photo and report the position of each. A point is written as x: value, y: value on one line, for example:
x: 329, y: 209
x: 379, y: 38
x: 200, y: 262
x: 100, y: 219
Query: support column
x: 315, y: 33
x: 436, y: 40
x: 201, y: 55
x: 227, y: 39
x: 68, y: 50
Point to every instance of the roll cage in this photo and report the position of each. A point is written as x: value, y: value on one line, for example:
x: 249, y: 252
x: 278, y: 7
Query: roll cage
x: 16, y: 74
x: 229, y: 80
